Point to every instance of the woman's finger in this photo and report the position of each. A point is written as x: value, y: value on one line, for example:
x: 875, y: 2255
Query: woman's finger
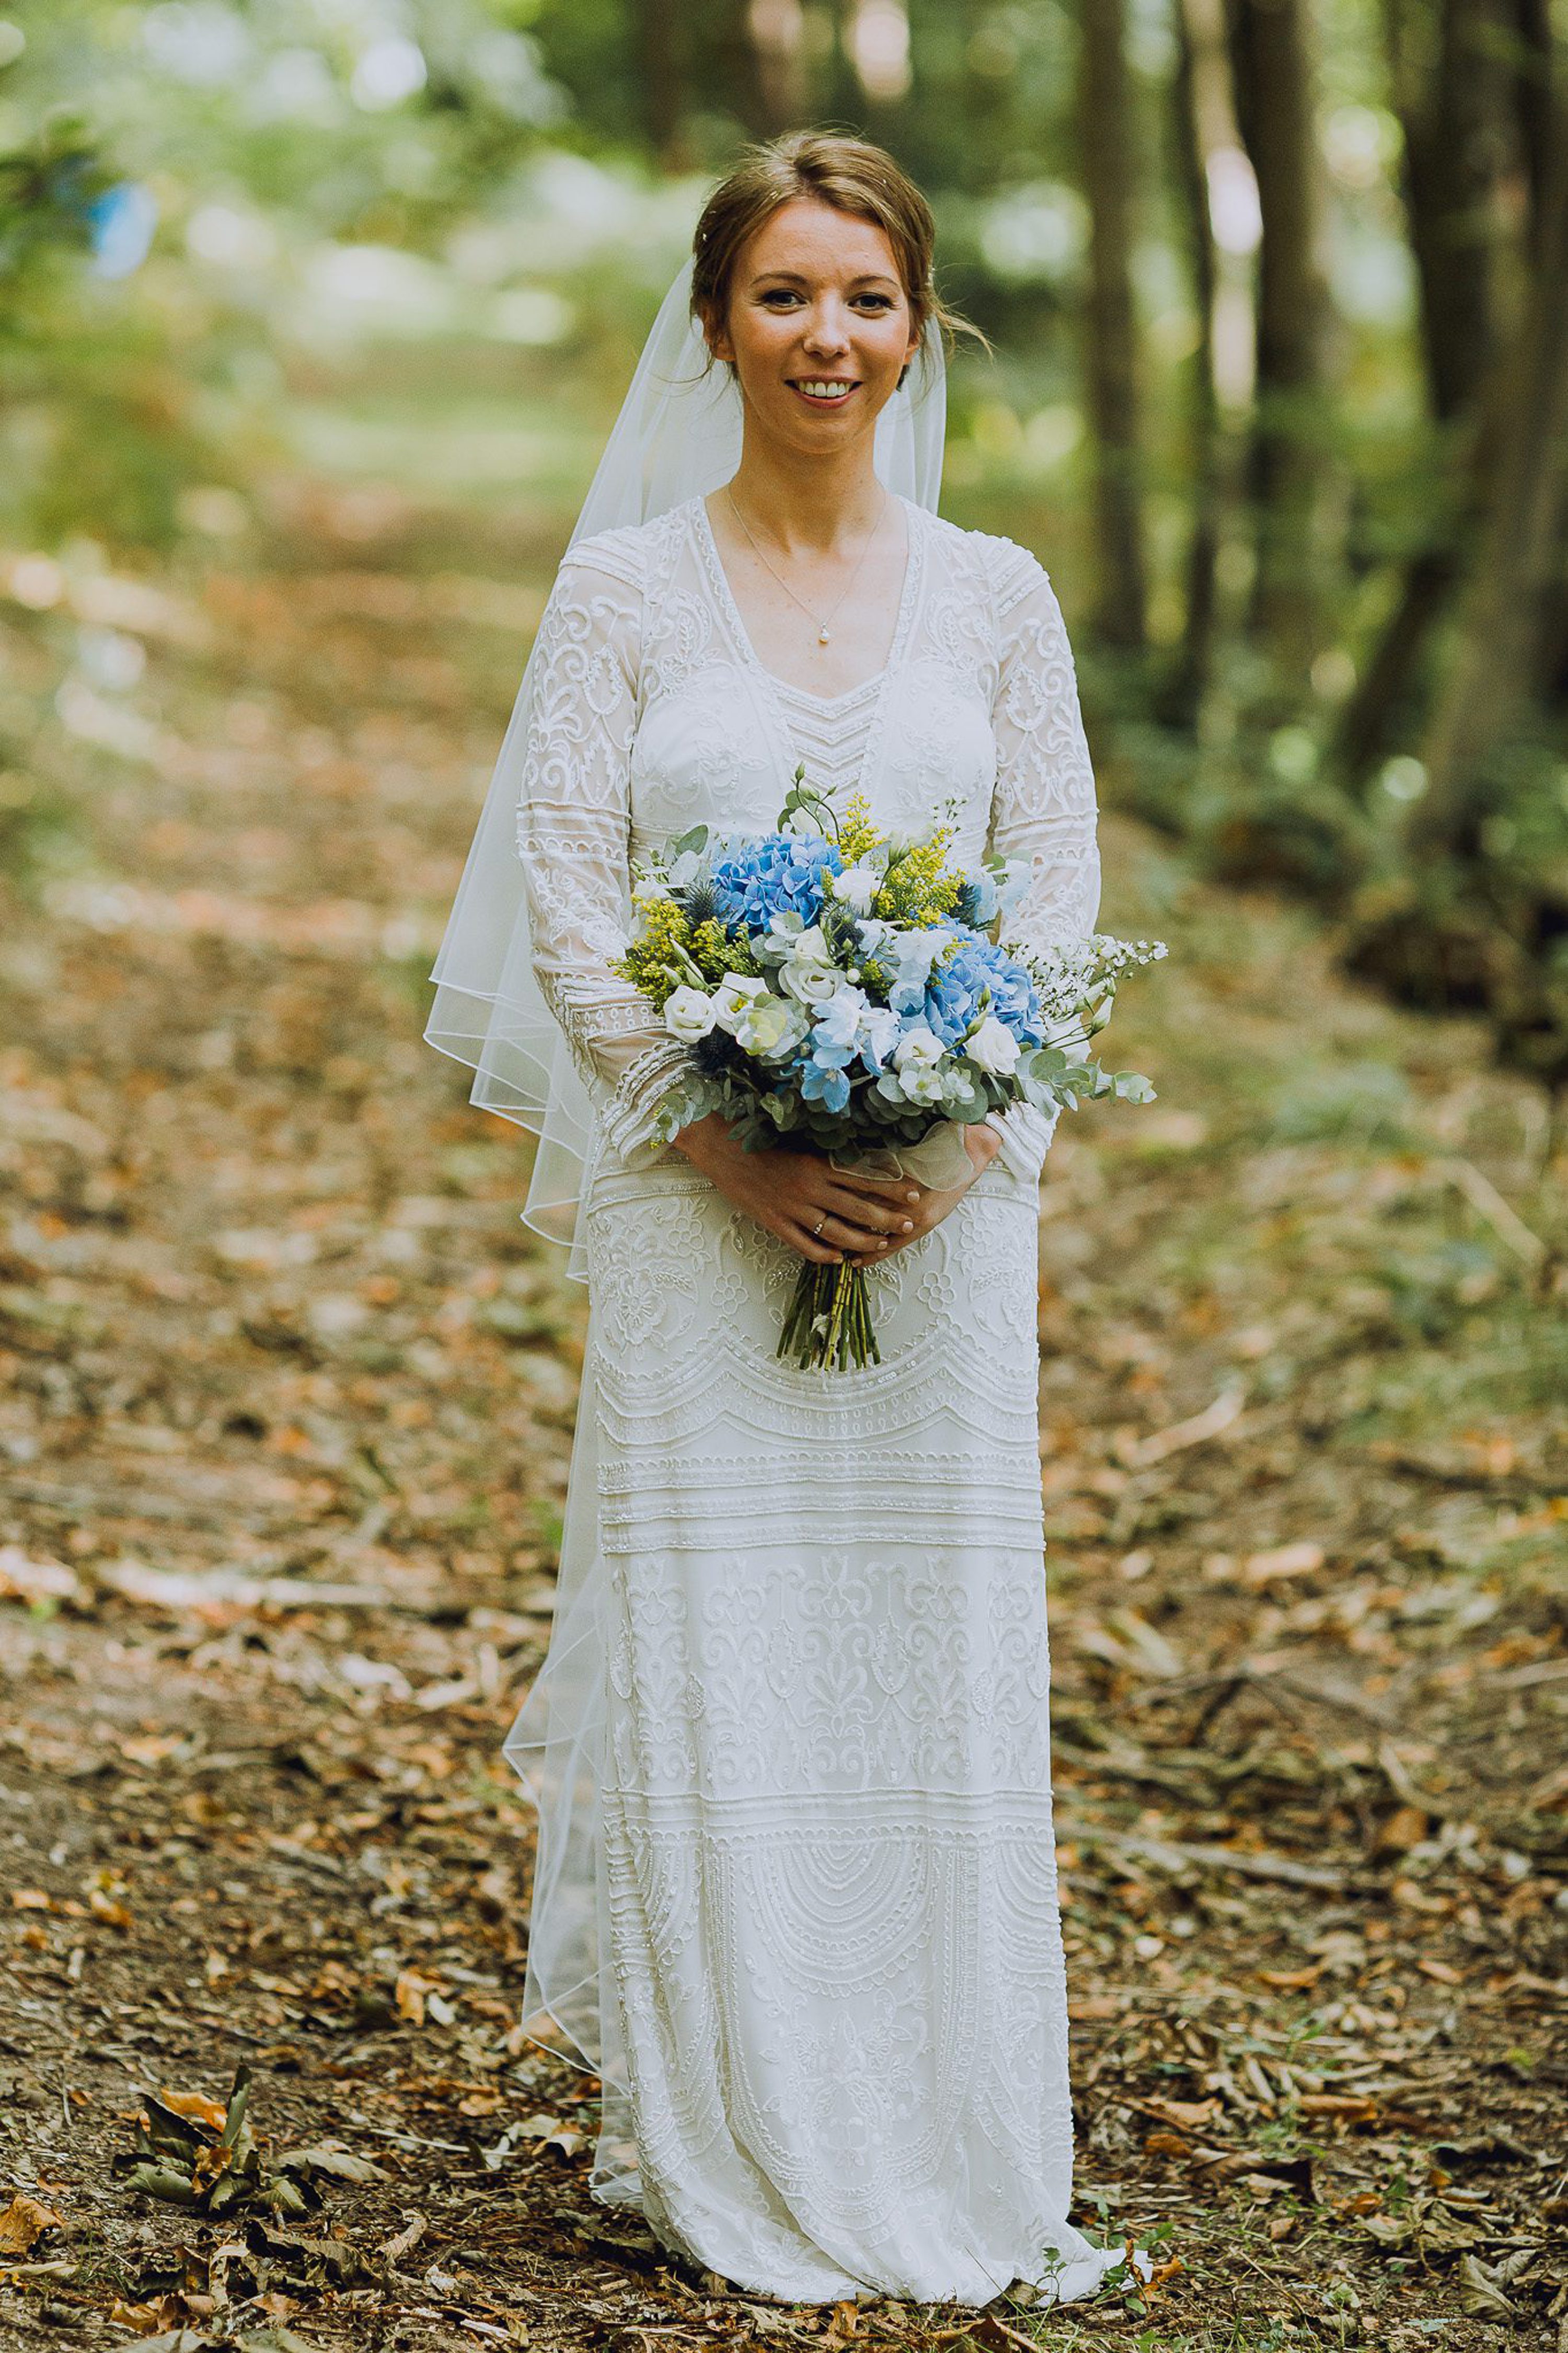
x: 902, y: 1189
x: 847, y: 1233
x: 855, y: 1210
x: 814, y: 1247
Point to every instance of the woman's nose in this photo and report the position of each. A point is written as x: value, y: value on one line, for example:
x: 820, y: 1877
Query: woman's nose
x: 827, y: 332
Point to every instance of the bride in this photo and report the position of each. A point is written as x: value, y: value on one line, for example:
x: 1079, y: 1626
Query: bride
x: 795, y: 1897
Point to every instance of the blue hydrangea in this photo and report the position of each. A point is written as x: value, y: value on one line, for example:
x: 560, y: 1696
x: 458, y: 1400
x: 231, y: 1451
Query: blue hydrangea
x: 950, y: 1002
x: 1014, y: 999
x: 776, y: 874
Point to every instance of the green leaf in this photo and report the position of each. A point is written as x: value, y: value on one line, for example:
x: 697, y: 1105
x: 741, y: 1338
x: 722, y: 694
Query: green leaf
x: 337, y: 2162
x: 161, y: 2181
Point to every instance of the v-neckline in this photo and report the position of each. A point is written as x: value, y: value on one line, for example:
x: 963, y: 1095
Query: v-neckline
x: 719, y: 580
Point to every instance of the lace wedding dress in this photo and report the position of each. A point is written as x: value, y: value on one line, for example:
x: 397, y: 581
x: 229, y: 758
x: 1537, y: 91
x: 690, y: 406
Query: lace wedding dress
x: 796, y: 1896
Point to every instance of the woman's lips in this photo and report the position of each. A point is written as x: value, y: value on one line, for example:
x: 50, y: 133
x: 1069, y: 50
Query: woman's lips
x: 836, y: 399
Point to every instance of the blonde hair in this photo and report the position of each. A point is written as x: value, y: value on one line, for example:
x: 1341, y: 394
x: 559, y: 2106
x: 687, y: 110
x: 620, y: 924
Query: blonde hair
x: 829, y: 168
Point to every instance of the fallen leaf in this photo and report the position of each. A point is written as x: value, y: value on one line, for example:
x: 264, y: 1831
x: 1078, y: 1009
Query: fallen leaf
x: 23, y: 2223
x: 1480, y: 2291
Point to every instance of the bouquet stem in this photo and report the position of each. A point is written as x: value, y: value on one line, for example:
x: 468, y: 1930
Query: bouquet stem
x: 829, y: 1320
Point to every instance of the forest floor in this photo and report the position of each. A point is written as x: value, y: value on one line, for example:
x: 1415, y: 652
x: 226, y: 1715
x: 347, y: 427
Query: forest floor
x: 285, y: 1413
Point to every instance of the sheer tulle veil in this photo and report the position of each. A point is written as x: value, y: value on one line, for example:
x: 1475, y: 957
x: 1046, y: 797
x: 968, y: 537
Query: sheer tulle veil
x: 678, y: 436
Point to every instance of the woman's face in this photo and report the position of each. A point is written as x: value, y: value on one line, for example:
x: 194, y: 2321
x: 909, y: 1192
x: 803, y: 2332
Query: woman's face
x: 819, y: 325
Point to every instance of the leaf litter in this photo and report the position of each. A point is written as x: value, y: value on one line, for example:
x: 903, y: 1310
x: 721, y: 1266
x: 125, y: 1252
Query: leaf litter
x: 286, y: 1411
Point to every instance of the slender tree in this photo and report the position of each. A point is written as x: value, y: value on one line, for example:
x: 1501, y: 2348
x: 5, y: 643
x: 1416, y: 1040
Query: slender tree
x: 1273, y: 72
x: 1107, y: 147
x: 1494, y: 664
x: 1452, y: 91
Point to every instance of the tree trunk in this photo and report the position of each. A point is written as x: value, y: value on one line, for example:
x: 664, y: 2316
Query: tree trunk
x: 1496, y: 661
x: 1530, y: 94
x: 658, y: 57
x: 1198, y: 97
x: 1287, y: 466
x: 1451, y: 105
x: 1457, y: 146
x: 1108, y: 172
x: 776, y: 30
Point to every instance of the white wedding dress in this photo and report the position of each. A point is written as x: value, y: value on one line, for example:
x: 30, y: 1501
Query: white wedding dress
x: 795, y: 1899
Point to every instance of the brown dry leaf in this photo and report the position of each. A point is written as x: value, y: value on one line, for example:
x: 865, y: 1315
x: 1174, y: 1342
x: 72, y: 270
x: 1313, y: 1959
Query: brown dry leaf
x: 1405, y: 1826
x: 1291, y: 1980
x: 197, y: 2107
x: 1345, y: 2107
x: 31, y: 1899
x: 404, y: 2241
x: 410, y: 1994
x: 1187, y: 2115
x: 24, y: 2221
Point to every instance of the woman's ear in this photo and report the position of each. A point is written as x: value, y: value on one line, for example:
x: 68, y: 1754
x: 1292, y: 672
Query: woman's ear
x: 716, y: 338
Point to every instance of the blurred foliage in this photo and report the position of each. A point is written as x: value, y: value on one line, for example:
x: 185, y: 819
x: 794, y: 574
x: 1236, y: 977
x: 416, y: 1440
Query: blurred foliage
x: 206, y: 208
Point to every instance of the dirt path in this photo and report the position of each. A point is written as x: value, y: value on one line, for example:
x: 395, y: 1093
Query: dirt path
x: 285, y: 1410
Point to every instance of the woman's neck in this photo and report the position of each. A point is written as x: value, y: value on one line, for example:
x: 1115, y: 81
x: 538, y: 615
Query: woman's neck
x: 821, y: 506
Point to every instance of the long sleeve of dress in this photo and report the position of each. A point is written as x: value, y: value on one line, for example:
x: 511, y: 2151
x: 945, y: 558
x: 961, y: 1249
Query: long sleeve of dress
x: 1044, y: 809
x: 573, y: 836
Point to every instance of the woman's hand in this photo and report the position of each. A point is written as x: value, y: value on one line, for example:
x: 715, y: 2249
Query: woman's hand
x: 825, y: 1213
x: 933, y: 1204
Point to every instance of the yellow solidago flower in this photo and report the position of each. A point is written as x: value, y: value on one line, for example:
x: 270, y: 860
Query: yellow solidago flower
x: 857, y: 834
x: 917, y: 890
x: 717, y: 954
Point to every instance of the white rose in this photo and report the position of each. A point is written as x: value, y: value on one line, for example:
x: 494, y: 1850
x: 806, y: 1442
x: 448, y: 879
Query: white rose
x: 689, y: 1014
x: 812, y: 984
x: 992, y: 1046
x: 857, y: 886
x: 918, y: 1045
x: 732, y: 996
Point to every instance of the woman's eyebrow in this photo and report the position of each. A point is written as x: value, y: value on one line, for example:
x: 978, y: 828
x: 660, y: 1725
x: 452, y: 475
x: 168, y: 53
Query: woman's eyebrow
x: 794, y: 278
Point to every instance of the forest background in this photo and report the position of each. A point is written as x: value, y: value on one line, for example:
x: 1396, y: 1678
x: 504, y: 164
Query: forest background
x: 313, y: 314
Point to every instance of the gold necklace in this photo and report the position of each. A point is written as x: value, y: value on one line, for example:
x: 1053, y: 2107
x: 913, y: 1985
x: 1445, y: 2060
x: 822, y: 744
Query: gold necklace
x: 824, y: 634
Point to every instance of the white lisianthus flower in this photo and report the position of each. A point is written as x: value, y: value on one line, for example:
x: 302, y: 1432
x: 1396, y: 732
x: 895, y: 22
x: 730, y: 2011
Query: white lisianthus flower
x: 769, y: 1025
x: 731, y: 996
x: 992, y: 1046
x: 650, y: 890
x: 916, y: 1059
x: 689, y: 1014
x: 857, y: 886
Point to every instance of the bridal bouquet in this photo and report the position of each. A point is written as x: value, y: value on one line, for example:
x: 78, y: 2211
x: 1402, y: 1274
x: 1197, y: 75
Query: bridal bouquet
x: 840, y: 985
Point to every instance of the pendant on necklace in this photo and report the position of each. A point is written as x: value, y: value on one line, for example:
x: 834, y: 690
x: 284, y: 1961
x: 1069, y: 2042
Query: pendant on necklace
x: 822, y: 637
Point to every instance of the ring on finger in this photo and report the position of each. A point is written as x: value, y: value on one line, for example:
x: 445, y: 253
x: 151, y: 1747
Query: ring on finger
x: 816, y: 1230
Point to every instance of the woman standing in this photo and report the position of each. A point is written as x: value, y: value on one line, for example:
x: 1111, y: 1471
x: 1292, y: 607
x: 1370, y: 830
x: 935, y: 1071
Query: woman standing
x: 795, y: 1901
